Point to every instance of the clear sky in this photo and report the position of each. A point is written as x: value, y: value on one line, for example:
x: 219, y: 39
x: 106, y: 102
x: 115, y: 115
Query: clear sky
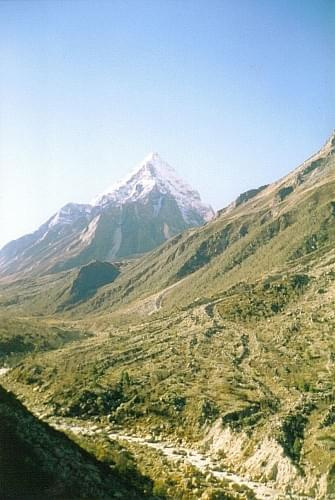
x: 232, y: 93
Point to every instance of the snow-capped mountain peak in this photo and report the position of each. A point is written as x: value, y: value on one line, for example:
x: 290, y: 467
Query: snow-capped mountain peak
x: 153, y: 173
x: 132, y: 217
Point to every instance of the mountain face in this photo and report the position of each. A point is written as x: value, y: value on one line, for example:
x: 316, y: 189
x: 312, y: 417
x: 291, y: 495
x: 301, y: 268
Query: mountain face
x: 132, y: 217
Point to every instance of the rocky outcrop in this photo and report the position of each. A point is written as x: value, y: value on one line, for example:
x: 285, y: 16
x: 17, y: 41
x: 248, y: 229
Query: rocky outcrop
x: 261, y: 457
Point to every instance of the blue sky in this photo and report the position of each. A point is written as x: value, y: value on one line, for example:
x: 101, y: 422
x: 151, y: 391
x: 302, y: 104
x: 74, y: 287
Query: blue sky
x: 233, y: 94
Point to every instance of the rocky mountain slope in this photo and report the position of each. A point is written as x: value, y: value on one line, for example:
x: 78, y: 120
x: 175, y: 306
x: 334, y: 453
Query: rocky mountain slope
x: 132, y: 217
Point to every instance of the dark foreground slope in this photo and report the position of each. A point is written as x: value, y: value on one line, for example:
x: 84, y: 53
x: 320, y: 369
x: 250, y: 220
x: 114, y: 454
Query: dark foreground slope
x: 38, y: 462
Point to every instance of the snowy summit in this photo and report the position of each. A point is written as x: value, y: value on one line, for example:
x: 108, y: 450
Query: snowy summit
x: 154, y: 174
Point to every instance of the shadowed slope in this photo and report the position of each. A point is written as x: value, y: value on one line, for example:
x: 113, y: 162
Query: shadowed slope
x: 38, y: 462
